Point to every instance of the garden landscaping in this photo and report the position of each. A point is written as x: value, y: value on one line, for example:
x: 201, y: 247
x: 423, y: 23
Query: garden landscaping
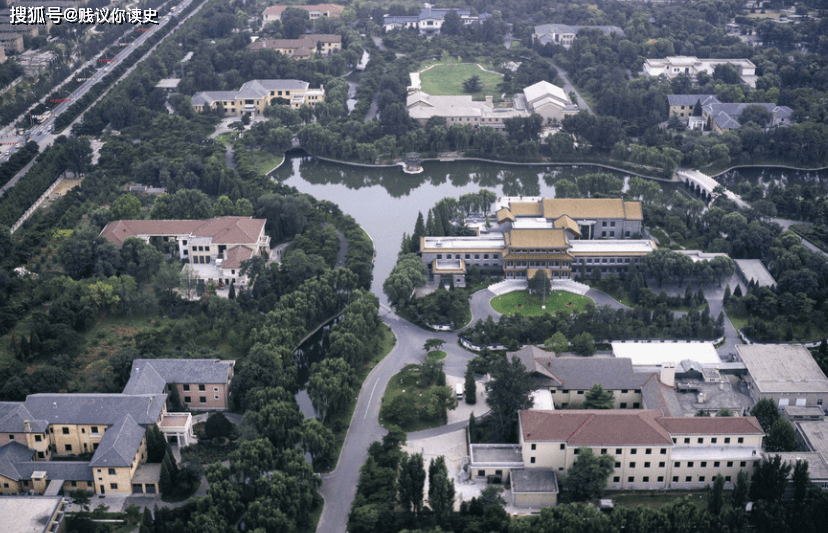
x: 523, y: 303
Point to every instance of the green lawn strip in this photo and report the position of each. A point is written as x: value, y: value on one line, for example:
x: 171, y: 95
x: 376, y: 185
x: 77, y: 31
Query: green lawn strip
x: 448, y: 80
x: 522, y: 303
x: 406, y: 383
x: 262, y: 161
x: 225, y: 138
x: 385, y: 343
x: 655, y: 498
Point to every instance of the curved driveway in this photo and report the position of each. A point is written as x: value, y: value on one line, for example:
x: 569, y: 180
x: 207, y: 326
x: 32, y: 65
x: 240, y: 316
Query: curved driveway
x: 339, y: 487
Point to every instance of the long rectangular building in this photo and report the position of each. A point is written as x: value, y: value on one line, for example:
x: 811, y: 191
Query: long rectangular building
x: 562, y: 237
x: 651, y: 451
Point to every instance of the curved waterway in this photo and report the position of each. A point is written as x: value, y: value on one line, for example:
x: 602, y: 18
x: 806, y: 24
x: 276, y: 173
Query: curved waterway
x: 385, y: 201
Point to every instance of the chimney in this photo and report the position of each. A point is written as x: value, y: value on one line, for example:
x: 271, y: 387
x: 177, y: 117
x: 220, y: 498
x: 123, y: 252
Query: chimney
x: 489, y: 101
x: 27, y: 426
x: 668, y: 374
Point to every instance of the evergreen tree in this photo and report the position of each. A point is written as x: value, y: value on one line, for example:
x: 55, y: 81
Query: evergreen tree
x: 727, y: 294
x: 439, y: 226
x: 688, y: 295
x: 766, y: 413
x: 470, y: 387
x: 174, y: 399
x: 165, y: 480
x: 419, y: 231
x: 587, y: 477
x: 411, y: 482
x: 782, y: 437
x: 147, y: 522
x: 472, y: 429
x: 440, y: 490
x: 597, y: 397
x: 232, y: 294
x: 430, y: 224
x: 740, y: 493
x: 738, y: 292
x: 715, y: 495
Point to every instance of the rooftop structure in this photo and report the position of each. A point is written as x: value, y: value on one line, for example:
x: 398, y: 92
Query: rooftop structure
x: 754, y: 270
x: 817, y: 466
x: 726, y: 116
x: 786, y: 373
x: 564, y: 34
x: 658, y: 353
x: 677, y: 65
x: 32, y: 514
x: 301, y: 48
x: 533, y: 486
x: 95, y: 408
x: 222, y: 243
x: 542, y: 98
x: 274, y: 13
x: 194, y: 378
x: 430, y: 19
x: 255, y: 95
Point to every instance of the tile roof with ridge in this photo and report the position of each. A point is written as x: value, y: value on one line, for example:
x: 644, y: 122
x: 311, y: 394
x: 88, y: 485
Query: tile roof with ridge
x: 94, y: 409
x: 578, y: 208
x: 595, y: 427
x: 222, y: 230
x: 179, y: 371
x: 119, y: 444
x: 13, y: 416
x: 536, y: 238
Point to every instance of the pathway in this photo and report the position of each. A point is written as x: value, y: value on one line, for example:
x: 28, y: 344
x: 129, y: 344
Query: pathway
x: 569, y: 88
x: 339, y: 487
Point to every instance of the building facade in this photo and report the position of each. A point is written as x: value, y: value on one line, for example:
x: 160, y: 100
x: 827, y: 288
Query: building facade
x: 274, y: 13
x: 214, y: 248
x: 563, y: 238
x: 302, y: 48
x: 254, y: 96
x: 651, y: 451
x: 785, y: 373
x: 430, y: 19
x: 202, y: 384
x: 691, y: 66
x: 564, y: 35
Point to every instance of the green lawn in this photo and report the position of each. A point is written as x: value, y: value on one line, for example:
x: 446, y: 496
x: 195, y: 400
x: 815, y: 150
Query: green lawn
x: 448, y: 79
x: 437, y: 354
x: 656, y: 498
x: 522, y: 303
x: 264, y: 162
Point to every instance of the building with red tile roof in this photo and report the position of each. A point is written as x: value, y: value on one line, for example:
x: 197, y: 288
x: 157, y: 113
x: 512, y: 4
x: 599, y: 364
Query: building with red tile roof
x: 651, y: 451
x: 214, y: 248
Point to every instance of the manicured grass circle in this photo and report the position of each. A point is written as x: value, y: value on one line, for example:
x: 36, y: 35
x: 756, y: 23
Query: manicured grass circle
x: 522, y: 303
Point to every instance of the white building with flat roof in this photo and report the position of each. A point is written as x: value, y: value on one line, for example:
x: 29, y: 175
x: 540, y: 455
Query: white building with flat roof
x: 785, y: 373
x: 657, y: 353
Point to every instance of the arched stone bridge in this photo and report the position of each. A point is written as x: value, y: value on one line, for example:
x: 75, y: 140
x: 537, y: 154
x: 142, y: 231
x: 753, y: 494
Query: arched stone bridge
x: 703, y: 185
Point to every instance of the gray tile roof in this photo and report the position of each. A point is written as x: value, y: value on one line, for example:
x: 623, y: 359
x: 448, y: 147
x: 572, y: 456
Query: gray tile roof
x: 580, y: 373
x: 657, y: 395
x: 65, y: 470
x: 104, y: 409
x: 144, y: 379
x: 119, y: 444
x: 144, y: 371
x: 13, y: 416
x: 10, y: 455
x: 691, y: 99
x: 208, y: 97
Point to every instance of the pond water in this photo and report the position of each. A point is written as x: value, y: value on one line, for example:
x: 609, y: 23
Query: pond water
x: 385, y: 201
x: 781, y: 177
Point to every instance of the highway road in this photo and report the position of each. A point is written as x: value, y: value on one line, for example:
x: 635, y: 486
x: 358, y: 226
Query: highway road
x: 42, y: 133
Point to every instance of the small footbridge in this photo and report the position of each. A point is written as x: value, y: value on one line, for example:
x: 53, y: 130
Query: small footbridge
x: 703, y: 185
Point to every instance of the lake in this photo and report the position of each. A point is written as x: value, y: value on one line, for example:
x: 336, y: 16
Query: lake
x: 385, y: 201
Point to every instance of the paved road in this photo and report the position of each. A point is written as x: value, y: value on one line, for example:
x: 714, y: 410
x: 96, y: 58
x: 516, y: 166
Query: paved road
x: 480, y: 307
x: 339, y: 487
x: 602, y: 298
x: 568, y: 87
